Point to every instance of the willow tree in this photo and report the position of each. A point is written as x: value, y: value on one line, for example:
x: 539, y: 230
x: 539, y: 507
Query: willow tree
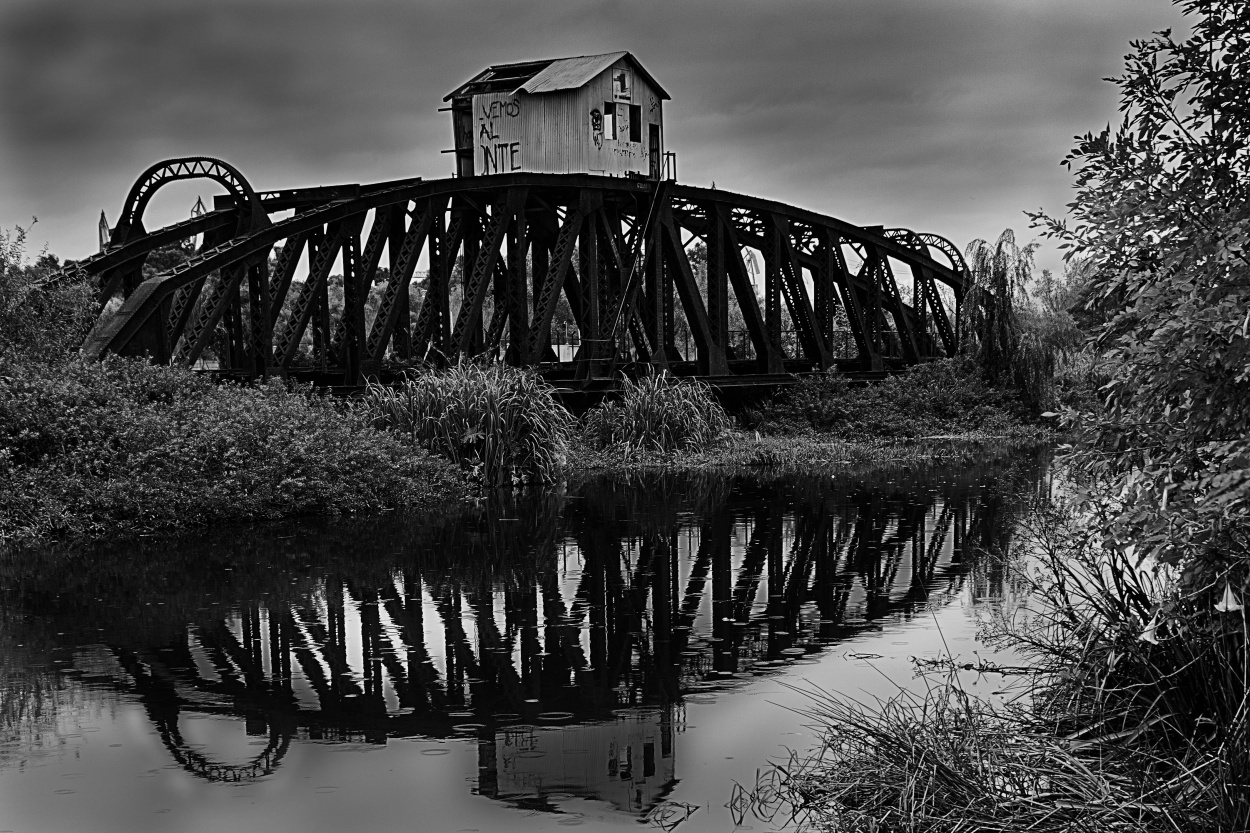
x: 997, y: 324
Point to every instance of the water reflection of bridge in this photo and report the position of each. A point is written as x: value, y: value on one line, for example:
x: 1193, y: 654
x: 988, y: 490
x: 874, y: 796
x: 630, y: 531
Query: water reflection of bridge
x: 603, y: 609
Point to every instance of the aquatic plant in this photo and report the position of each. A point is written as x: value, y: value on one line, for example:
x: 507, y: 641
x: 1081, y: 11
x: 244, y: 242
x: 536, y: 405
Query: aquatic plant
x: 503, y: 422
x: 658, y: 412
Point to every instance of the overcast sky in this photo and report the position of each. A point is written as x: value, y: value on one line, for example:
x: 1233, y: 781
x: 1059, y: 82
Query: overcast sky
x: 949, y: 116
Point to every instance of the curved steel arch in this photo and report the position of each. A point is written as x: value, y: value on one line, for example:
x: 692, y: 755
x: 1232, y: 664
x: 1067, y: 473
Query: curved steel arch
x: 921, y: 241
x: 617, y: 250
x: 198, y: 764
x: 159, y: 693
x: 189, y: 167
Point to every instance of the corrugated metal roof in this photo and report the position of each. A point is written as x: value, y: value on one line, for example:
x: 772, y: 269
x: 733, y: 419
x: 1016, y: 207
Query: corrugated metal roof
x: 547, y: 76
x: 499, y: 78
x: 571, y: 73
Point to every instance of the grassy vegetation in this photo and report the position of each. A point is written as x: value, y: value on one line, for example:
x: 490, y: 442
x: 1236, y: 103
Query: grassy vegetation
x: 90, y: 447
x: 659, y: 412
x: 502, y: 423
x: 1134, y: 718
x: 121, y: 446
x: 934, y: 399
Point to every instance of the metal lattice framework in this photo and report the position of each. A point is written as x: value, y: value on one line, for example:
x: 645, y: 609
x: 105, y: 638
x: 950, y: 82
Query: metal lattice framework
x: 499, y: 255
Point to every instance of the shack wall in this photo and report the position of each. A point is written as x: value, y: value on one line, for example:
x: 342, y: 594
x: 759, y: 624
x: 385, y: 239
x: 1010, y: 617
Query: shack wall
x: 570, y: 131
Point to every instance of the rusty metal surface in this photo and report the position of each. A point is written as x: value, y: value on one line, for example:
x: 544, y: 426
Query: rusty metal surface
x: 779, y: 290
x: 570, y: 73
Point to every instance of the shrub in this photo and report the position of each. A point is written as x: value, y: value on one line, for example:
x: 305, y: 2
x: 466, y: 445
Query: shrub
x: 941, y: 397
x: 503, y: 422
x: 88, y: 447
x: 40, y: 318
x: 1143, y: 666
x: 659, y: 412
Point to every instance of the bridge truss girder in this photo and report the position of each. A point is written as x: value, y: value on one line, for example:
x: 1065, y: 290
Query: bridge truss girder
x: 500, y: 254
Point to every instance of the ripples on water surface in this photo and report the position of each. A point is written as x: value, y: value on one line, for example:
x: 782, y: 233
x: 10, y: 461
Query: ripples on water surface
x: 612, y: 654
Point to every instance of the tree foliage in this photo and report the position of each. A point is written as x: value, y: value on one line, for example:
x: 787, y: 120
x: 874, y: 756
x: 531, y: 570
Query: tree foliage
x: 1013, y: 337
x: 1162, y: 218
x: 40, y: 319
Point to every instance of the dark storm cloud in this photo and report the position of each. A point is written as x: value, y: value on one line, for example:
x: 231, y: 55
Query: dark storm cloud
x: 949, y: 116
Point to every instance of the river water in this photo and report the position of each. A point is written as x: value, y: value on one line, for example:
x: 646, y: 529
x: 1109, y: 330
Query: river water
x: 615, y: 653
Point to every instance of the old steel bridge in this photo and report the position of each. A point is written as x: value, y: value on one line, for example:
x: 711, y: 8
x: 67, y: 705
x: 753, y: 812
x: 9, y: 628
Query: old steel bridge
x: 261, y: 296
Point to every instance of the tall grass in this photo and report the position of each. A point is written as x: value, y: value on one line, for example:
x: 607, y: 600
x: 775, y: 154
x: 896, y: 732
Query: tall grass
x: 659, y: 412
x: 502, y: 422
x: 940, y: 760
x: 1143, y: 671
x: 1136, y: 718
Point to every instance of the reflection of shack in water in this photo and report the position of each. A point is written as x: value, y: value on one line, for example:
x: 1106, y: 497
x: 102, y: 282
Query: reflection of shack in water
x: 588, y: 618
x: 627, y: 762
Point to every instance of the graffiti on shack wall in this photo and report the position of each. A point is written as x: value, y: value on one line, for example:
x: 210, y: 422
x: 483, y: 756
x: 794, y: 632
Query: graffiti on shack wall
x: 497, y: 128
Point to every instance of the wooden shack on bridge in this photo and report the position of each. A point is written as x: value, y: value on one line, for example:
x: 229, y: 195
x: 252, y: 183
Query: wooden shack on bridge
x: 594, y: 114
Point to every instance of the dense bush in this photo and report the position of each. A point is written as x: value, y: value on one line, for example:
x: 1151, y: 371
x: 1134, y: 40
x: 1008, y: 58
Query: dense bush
x: 942, y: 397
x: 503, y: 422
x: 660, y: 412
x: 89, y: 447
x: 40, y: 318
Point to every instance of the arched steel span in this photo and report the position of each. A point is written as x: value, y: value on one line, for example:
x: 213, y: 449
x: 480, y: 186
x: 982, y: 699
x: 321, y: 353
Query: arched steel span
x: 501, y: 252
x: 130, y: 224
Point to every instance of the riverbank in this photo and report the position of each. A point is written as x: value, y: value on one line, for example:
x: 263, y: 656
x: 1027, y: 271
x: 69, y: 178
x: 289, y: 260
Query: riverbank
x: 123, y: 448
x: 742, y: 449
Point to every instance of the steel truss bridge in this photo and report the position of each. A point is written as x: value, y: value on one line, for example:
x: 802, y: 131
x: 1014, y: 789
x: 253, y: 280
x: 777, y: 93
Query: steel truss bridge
x: 499, y: 253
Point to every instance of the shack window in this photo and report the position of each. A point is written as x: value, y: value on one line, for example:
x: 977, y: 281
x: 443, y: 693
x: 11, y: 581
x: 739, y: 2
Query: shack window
x: 609, y: 119
x: 635, y: 123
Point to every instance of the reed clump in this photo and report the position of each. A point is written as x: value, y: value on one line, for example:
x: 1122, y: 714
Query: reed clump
x: 1135, y: 717
x: 659, y: 412
x: 499, y: 421
x: 943, y: 761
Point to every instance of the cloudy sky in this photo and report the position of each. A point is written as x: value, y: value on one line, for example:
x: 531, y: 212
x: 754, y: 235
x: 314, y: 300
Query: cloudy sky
x: 949, y: 116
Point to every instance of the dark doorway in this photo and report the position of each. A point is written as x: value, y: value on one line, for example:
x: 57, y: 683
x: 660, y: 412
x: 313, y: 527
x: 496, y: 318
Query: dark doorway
x: 653, y: 138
